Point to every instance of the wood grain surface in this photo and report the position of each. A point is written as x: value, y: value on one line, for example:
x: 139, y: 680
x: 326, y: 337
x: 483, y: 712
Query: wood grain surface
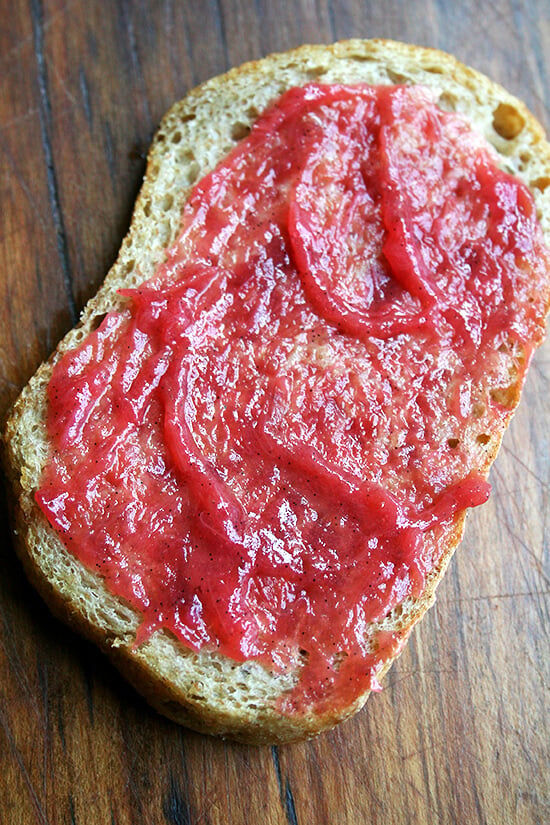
x: 460, y: 733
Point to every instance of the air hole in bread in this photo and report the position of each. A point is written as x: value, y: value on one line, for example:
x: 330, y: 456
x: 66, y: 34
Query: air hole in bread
x: 447, y: 101
x: 453, y: 443
x: 478, y: 410
x: 507, y: 121
x: 435, y: 69
x: 239, y: 130
x: 252, y: 112
x: 396, y: 77
x: 167, y: 202
x: 361, y: 58
x: 176, y: 137
x: 187, y: 159
x: 187, y: 118
x: 483, y: 438
x: 147, y: 208
x: 192, y: 173
x: 505, y: 396
x: 315, y: 71
x: 96, y: 321
x: 541, y: 184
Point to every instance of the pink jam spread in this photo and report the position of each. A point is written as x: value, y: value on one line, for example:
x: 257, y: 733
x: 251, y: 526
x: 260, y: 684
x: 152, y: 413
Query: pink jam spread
x: 260, y: 451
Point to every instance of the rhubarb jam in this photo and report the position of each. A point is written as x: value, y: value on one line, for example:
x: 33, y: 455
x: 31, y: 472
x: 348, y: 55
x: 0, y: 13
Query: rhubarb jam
x: 263, y: 450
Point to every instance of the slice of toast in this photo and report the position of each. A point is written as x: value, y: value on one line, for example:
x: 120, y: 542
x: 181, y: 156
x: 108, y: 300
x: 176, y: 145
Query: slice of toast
x: 205, y: 690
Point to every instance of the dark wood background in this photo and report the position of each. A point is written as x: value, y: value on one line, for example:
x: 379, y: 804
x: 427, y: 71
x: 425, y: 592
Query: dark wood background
x: 461, y: 732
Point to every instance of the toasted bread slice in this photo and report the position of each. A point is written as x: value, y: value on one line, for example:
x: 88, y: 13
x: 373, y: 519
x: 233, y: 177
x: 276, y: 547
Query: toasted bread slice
x: 204, y: 690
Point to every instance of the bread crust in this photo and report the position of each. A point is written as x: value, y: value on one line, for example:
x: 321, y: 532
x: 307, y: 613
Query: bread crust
x: 206, y: 691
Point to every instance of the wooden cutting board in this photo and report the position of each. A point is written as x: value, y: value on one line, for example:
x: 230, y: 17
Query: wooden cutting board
x: 460, y: 733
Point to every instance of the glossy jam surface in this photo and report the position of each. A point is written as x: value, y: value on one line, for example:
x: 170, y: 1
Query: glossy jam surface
x: 260, y: 451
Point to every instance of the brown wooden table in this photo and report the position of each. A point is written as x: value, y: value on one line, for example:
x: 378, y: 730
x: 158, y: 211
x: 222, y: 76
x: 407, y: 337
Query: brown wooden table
x: 461, y: 732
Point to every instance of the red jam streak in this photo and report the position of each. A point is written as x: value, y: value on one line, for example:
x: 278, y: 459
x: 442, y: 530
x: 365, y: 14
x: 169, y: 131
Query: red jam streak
x: 256, y: 452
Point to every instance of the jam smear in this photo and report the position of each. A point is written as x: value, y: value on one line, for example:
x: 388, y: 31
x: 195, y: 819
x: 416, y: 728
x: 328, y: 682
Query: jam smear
x: 261, y: 450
